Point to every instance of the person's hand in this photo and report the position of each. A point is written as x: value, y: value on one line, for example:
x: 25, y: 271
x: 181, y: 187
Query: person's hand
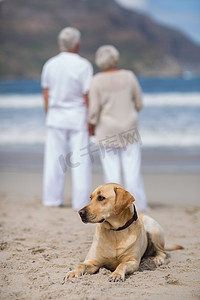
x: 91, y: 129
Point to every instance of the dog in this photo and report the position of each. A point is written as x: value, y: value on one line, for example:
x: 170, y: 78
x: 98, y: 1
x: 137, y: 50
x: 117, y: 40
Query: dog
x: 122, y: 238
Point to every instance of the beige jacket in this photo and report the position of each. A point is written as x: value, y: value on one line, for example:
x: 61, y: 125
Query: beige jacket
x: 114, y: 100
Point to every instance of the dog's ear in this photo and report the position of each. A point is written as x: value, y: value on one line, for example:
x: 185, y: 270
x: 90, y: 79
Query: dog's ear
x: 123, y: 200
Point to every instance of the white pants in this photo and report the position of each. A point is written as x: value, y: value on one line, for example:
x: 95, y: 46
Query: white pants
x: 129, y: 160
x: 63, y: 151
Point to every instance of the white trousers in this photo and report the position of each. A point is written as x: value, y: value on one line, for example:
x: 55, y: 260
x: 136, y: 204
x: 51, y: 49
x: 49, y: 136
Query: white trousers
x: 63, y: 151
x: 115, y: 160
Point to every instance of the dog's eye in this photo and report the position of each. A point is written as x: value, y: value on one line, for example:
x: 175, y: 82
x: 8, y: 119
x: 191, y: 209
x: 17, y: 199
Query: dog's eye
x: 100, y: 198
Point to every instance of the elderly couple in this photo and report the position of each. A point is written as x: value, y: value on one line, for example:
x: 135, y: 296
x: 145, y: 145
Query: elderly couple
x: 77, y: 105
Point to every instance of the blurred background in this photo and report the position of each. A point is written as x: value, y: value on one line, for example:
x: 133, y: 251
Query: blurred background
x: 158, y: 39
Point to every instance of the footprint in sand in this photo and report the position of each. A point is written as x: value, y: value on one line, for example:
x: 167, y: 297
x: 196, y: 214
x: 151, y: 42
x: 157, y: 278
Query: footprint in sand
x: 171, y: 280
x: 3, y: 246
x: 37, y: 250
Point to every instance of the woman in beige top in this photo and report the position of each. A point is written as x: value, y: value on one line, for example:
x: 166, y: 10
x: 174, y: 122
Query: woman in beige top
x: 114, y: 102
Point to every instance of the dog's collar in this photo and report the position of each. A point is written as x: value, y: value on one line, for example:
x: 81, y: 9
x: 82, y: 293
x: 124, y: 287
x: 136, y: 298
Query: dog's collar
x: 134, y: 218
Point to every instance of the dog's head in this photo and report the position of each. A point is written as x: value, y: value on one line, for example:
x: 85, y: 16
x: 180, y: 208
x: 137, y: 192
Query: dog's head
x: 107, y: 200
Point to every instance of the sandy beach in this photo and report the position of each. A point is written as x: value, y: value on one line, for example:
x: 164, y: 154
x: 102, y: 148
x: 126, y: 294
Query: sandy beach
x: 39, y: 245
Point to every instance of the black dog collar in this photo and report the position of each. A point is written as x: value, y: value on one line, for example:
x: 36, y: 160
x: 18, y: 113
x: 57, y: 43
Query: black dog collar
x: 134, y: 218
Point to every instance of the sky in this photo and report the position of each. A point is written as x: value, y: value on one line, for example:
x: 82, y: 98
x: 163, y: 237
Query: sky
x: 180, y: 14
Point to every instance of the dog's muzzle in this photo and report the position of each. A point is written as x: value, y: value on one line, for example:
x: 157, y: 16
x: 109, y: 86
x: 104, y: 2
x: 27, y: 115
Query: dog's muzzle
x: 83, y: 215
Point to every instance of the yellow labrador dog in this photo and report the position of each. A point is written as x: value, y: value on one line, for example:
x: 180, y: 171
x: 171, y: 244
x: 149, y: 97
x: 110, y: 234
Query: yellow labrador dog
x: 122, y: 237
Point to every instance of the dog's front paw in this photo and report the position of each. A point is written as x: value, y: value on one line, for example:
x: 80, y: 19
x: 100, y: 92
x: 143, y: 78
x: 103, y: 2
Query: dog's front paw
x: 159, y: 260
x: 116, y: 277
x: 71, y: 274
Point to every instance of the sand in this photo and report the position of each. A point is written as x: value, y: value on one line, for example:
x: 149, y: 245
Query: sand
x: 39, y: 245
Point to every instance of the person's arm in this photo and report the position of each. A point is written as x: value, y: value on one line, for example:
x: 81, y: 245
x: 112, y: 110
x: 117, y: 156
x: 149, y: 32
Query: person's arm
x: 46, y: 98
x: 137, y: 94
x: 94, y: 106
x: 91, y: 129
x: 85, y: 96
x: 45, y: 83
x: 85, y: 82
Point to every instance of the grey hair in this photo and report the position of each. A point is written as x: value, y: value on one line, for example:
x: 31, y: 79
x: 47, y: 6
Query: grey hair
x: 68, y: 38
x: 107, y: 57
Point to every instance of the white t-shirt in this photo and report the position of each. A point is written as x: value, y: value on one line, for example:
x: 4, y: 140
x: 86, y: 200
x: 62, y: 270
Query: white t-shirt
x: 67, y: 76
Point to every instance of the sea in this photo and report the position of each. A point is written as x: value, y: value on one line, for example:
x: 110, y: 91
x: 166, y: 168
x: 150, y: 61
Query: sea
x: 170, y: 118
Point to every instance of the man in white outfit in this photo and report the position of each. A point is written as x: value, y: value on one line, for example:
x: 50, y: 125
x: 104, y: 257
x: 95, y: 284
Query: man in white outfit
x: 65, y: 82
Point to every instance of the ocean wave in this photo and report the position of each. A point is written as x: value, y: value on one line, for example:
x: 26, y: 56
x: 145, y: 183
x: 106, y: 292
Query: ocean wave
x: 21, y: 101
x: 148, y: 138
x: 162, y: 99
x: 173, y: 139
x: 19, y: 137
x: 172, y: 99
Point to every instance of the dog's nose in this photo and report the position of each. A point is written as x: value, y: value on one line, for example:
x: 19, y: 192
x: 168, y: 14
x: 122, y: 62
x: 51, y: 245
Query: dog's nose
x: 82, y: 212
